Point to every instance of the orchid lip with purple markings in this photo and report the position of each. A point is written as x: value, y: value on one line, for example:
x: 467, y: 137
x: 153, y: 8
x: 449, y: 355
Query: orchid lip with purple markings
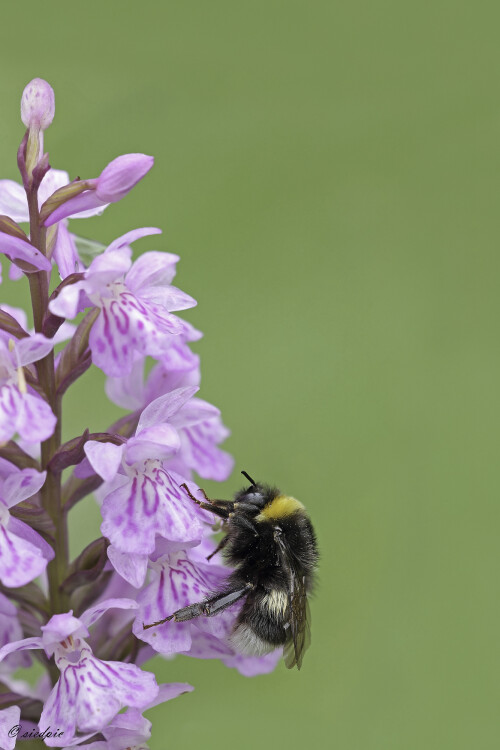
x: 136, y: 302
x: 131, y: 729
x: 178, y: 579
x: 90, y: 691
x: 145, y: 501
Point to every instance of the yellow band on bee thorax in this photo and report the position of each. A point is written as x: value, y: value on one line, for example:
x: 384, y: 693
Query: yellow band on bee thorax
x: 280, y: 507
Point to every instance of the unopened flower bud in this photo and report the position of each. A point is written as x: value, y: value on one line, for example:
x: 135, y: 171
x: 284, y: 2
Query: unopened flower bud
x: 37, y: 112
x: 115, y: 181
x: 121, y: 175
x: 38, y: 104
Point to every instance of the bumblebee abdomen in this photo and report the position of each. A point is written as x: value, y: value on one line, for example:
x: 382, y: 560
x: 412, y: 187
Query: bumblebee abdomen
x: 261, y: 625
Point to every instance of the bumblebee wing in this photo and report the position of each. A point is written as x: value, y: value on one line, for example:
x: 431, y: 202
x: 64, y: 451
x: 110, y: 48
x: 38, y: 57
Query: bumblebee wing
x: 300, y: 631
x: 298, y: 608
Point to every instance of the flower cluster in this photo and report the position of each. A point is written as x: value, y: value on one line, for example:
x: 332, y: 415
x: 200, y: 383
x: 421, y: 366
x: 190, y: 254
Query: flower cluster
x: 85, y: 617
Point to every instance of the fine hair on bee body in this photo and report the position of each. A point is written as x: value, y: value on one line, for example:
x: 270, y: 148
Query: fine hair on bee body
x: 270, y: 542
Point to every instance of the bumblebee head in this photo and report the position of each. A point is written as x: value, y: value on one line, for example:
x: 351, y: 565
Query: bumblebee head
x: 265, y: 502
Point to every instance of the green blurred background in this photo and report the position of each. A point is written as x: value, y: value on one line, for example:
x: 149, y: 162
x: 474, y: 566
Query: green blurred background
x: 328, y: 173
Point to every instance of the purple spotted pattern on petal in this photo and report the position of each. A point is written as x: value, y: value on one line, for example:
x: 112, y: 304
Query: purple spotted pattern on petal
x: 151, y: 503
x: 178, y: 580
x: 136, y: 305
x: 90, y: 692
x: 127, y: 325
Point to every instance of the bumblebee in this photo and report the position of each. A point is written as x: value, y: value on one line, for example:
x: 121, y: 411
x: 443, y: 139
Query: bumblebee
x: 270, y: 542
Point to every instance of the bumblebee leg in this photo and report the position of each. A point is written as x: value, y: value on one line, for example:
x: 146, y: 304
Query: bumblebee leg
x: 208, y: 608
x: 220, y: 508
x: 193, y: 498
x: 220, y: 546
x: 245, y: 523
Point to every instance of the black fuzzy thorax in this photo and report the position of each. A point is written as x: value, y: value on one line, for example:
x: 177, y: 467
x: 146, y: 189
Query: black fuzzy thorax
x: 252, y: 545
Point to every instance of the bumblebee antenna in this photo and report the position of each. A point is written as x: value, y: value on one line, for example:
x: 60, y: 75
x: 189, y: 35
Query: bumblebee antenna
x: 249, y: 478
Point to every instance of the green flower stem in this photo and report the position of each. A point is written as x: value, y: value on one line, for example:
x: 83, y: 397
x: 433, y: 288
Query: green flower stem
x: 51, y: 490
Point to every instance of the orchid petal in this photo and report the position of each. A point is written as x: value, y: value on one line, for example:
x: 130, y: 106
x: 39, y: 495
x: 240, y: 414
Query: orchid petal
x: 90, y: 212
x: 170, y: 690
x: 178, y: 581
x: 91, y: 702
x: 10, y: 631
x: 94, y: 613
x: 68, y: 303
x: 121, y: 175
x: 20, y: 249
x: 35, y: 422
x: 129, y: 565
x: 23, y: 645
x: 170, y: 297
x: 32, y: 348
x: 193, y: 411
x: 158, y: 441
x: 9, y: 718
x: 105, y: 458
x: 60, y: 627
x: 18, y: 314
x: 81, y: 738
x: 13, y: 201
x: 63, y: 333
x: 85, y: 201
x: 127, y: 326
x: 21, y: 561
x: 110, y: 265
x: 129, y: 237
x: 163, y: 408
x: 65, y: 253
x: 15, y: 273
x: 21, y: 485
x: 22, y: 531
x: 152, y: 269
x: 128, y: 391
x: 53, y: 180
x: 149, y: 504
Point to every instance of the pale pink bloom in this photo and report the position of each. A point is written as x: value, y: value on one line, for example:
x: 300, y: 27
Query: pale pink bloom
x: 136, y: 302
